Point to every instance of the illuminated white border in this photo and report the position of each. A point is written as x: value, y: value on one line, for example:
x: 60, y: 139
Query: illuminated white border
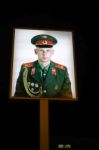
x: 24, y: 52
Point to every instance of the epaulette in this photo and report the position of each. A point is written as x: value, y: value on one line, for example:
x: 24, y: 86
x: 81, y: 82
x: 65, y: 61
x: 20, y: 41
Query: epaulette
x: 60, y: 66
x: 25, y: 65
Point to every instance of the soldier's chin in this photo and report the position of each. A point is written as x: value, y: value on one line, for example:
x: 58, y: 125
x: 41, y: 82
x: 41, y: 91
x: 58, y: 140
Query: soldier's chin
x: 45, y: 60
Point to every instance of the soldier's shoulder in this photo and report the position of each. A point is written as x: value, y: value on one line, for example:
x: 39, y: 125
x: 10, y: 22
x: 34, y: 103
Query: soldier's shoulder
x: 27, y: 65
x: 59, y: 66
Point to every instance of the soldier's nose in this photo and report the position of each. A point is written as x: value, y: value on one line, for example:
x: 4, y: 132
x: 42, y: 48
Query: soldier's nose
x: 44, y: 51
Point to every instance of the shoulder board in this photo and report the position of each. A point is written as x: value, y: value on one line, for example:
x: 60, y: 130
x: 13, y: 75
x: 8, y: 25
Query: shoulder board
x: 60, y: 66
x: 26, y: 65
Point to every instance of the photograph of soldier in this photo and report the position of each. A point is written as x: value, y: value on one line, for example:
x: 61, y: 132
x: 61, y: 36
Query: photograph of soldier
x: 43, y: 77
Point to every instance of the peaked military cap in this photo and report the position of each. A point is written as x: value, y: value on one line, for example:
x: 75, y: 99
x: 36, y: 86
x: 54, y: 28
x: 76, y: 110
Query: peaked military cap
x: 43, y: 40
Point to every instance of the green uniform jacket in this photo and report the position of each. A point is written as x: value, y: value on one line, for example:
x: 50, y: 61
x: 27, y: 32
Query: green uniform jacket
x: 30, y: 83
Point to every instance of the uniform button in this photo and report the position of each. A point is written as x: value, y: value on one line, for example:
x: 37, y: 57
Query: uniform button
x: 32, y: 89
x: 44, y: 91
x: 36, y: 85
x: 32, y: 84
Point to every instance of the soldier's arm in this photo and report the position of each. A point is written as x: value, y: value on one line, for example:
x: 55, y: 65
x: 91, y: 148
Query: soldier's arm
x: 20, y: 91
x: 66, y: 88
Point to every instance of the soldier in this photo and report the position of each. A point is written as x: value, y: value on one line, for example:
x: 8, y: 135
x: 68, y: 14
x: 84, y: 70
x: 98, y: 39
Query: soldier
x: 43, y: 77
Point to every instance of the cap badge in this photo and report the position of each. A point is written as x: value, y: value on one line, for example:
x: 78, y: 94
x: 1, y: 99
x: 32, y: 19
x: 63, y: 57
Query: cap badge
x: 44, y: 42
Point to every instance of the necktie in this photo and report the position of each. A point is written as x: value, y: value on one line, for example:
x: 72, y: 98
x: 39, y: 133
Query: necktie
x: 44, y: 72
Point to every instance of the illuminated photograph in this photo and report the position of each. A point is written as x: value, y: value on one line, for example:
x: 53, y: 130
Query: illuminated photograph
x: 43, y: 65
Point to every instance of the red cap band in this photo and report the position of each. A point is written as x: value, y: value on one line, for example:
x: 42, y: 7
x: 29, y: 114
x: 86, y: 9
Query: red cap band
x: 44, y: 42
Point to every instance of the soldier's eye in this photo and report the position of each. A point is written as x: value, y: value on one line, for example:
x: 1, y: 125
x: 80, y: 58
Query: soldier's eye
x: 47, y: 50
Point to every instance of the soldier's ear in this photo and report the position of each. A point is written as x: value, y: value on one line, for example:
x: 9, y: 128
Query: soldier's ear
x: 36, y: 50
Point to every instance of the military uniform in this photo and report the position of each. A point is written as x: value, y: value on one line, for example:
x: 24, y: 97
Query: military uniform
x: 33, y: 82
x: 30, y: 82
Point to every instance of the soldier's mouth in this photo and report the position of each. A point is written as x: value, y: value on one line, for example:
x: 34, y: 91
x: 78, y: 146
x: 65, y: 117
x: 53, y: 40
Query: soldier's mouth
x: 44, y: 57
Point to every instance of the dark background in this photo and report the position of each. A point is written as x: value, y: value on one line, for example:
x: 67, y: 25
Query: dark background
x: 75, y: 123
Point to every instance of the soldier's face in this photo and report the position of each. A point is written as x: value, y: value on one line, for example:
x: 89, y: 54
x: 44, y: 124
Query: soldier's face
x: 44, y: 54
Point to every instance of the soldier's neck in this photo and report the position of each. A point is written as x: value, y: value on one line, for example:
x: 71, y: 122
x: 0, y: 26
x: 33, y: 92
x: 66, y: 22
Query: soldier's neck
x: 44, y: 64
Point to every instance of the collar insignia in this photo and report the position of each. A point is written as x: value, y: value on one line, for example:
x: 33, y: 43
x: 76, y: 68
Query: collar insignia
x: 33, y: 71
x: 54, y: 71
